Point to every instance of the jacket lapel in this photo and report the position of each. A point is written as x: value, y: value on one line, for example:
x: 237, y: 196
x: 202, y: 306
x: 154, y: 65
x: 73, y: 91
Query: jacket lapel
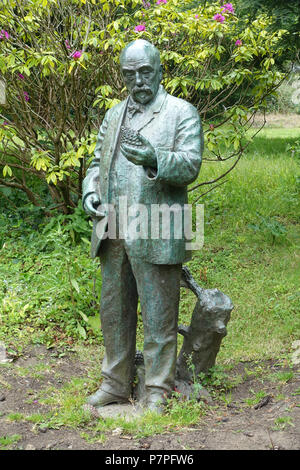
x: 120, y: 119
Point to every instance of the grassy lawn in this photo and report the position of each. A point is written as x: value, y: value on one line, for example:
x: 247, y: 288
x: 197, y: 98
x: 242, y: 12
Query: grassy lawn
x: 251, y: 249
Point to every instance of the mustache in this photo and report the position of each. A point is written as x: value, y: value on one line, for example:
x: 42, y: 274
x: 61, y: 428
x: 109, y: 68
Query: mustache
x: 144, y: 89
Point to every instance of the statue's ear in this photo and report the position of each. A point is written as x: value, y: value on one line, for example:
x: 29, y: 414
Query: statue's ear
x: 161, y: 71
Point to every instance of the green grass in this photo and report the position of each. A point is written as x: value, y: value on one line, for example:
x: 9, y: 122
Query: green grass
x: 15, y: 417
x: 50, y: 289
x: 259, y: 271
x: 282, y: 422
x: 256, y: 398
x: 7, y: 442
x: 49, y: 293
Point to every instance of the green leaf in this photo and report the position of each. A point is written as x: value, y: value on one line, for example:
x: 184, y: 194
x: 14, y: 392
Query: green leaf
x: 7, y: 171
x: 75, y: 285
x: 81, y: 331
x: 86, y: 319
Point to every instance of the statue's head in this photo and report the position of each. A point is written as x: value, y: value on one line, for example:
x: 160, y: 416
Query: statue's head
x: 141, y: 70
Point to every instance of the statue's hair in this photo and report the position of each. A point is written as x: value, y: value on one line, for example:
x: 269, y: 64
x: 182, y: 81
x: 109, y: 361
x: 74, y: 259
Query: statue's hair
x: 141, y: 44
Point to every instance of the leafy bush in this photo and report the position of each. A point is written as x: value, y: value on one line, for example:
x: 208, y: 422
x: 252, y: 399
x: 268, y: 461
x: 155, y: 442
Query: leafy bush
x: 283, y: 15
x: 59, y: 60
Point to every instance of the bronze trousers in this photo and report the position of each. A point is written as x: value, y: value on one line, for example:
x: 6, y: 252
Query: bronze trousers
x: 124, y: 280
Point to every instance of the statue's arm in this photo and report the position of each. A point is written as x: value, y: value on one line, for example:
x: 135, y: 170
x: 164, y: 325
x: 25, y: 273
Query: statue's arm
x: 180, y: 166
x: 90, y: 184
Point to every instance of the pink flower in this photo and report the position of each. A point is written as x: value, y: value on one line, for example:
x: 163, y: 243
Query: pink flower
x: 161, y: 1
x: 21, y: 76
x: 211, y: 126
x: 238, y: 42
x: 219, y: 18
x: 196, y: 16
x: 76, y: 55
x: 4, y: 34
x: 228, y: 7
x: 5, y: 123
x: 67, y: 44
x: 139, y: 28
x: 26, y: 96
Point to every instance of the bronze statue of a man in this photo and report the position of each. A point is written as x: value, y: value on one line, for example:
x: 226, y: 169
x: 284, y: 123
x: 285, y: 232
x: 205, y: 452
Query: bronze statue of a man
x: 148, y: 150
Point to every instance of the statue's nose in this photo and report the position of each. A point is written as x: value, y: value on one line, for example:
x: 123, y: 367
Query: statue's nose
x: 138, y: 79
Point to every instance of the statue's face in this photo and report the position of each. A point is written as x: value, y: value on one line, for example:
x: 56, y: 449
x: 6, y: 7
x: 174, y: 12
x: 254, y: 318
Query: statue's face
x: 142, y: 74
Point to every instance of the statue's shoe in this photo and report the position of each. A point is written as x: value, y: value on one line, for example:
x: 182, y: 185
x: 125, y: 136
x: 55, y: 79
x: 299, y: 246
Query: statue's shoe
x: 102, y: 398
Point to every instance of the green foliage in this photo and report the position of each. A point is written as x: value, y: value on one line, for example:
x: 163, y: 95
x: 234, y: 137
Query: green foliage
x: 59, y: 61
x: 217, y: 380
x: 284, y: 15
x: 50, y: 289
x: 56, y: 277
x: 282, y: 377
x: 76, y: 226
x: 271, y: 227
x: 294, y: 150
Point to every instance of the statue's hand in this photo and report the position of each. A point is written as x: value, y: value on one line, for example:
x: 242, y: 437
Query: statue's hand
x: 91, y: 202
x: 140, y: 155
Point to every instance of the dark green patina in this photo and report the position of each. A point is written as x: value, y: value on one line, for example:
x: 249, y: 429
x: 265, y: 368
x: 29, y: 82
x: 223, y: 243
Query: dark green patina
x: 150, y: 161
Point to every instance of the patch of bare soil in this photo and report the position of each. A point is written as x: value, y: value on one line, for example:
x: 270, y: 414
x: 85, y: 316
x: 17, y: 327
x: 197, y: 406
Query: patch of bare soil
x: 291, y: 120
x: 238, y: 422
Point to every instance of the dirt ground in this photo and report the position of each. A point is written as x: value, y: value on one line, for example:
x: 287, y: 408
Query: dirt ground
x: 272, y: 423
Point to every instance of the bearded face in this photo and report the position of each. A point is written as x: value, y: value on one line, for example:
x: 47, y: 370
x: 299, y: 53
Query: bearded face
x: 142, y: 73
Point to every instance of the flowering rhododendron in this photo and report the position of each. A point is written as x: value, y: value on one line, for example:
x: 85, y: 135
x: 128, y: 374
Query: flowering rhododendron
x: 46, y: 43
x: 220, y: 18
x: 4, y: 34
x: 76, y: 55
x: 139, y: 28
x: 228, y: 7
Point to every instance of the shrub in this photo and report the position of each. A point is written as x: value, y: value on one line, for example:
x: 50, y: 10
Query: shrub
x: 59, y: 60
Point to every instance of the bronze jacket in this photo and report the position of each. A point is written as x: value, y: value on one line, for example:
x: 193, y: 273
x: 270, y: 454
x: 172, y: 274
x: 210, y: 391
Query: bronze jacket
x: 173, y: 127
